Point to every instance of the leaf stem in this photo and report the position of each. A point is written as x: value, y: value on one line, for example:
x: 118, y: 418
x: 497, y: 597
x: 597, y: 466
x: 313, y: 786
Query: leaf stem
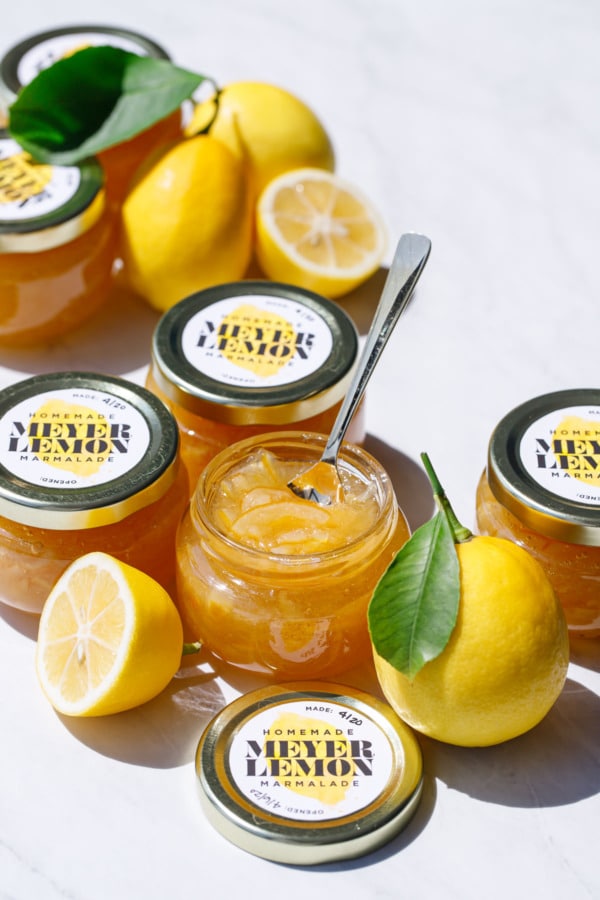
x: 459, y: 532
x: 193, y: 647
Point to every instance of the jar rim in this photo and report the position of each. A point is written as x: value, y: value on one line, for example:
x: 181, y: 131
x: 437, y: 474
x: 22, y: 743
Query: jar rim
x: 74, y: 202
x: 10, y: 81
x: 208, y: 381
x: 48, y: 475
x: 361, y: 461
x: 535, y: 465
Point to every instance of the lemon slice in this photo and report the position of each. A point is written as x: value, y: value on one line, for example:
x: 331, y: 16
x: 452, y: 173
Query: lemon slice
x: 318, y: 231
x: 110, y: 638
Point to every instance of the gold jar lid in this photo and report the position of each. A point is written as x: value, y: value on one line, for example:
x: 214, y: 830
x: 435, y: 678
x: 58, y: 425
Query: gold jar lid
x: 544, y: 465
x: 22, y: 62
x: 308, y: 773
x: 80, y: 450
x: 44, y: 206
x: 254, y: 353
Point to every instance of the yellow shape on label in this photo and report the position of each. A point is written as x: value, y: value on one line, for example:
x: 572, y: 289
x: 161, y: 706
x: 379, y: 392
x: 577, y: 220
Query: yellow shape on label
x: 576, y: 448
x: 70, y: 437
x: 313, y: 758
x: 21, y: 178
x: 257, y: 340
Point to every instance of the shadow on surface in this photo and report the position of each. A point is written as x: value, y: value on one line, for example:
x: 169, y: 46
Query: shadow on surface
x: 25, y: 623
x: 554, y: 764
x: 409, y: 479
x: 162, y: 733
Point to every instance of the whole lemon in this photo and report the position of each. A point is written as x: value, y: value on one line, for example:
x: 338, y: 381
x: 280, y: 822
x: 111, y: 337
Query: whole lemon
x: 186, y: 222
x: 268, y: 127
x: 506, y: 661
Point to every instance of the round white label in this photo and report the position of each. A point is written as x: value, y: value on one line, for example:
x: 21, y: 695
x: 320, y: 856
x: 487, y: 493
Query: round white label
x: 257, y: 340
x: 47, y: 52
x: 72, y: 438
x: 561, y: 452
x: 29, y: 189
x: 309, y: 760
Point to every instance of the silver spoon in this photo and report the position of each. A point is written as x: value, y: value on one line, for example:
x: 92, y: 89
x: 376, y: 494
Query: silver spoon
x: 321, y: 482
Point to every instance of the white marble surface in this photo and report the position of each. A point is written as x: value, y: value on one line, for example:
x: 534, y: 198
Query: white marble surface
x: 476, y: 123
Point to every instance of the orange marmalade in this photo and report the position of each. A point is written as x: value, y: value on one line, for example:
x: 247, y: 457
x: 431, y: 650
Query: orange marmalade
x: 276, y: 584
x: 26, y: 59
x: 88, y: 462
x: 250, y: 358
x: 57, y: 246
x: 542, y: 490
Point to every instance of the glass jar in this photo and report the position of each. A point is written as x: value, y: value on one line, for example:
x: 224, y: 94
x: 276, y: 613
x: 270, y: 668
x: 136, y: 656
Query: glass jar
x: 541, y: 489
x: 87, y: 462
x: 276, y: 584
x: 26, y: 59
x: 250, y: 358
x: 57, y: 246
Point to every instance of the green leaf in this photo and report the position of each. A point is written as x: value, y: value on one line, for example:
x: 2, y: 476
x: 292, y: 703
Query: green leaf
x: 94, y: 99
x: 414, y: 607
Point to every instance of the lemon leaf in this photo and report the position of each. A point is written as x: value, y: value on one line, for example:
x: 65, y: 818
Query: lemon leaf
x: 413, y: 609
x: 94, y: 99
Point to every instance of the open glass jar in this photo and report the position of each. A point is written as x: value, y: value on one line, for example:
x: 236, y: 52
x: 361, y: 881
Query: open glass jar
x: 57, y: 246
x: 25, y: 60
x: 276, y: 584
x: 541, y: 489
x: 250, y: 358
x: 87, y: 462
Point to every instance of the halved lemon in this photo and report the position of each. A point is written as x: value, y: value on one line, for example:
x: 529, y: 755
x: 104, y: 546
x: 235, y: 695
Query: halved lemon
x: 318, y: 231
x: 110, y: 638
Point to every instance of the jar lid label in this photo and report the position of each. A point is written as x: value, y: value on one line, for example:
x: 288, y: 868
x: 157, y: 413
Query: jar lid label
x: 306, y: 773
x: 256, y: 340
x: 561, y: 452
x: 72, y: 438
x: 29, y: 190
x: 311, y: 761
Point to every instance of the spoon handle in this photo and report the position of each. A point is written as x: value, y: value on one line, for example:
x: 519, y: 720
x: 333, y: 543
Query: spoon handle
x: 409, y: 260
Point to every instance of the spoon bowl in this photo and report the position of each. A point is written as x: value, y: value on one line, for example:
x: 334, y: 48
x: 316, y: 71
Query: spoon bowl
x: 321, y: 482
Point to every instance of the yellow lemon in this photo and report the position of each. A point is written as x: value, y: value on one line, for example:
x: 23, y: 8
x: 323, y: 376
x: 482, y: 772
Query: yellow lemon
x: 110, y: 638
x: 267, y: 127
x: 186, y: 222
x: 318, y: 231
x: 506, y: 661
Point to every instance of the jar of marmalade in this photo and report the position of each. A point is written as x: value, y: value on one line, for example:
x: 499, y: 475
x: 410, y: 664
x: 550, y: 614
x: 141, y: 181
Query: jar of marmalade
x: 29, y: 57
x: 57, y: 246
x: 542, y: 490
x: 88, y: 462
x: 276, y: 584
x: 251, y: 358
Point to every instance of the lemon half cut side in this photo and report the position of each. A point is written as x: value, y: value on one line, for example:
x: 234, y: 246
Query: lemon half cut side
x: 110, y: 638
x: 318, y: 231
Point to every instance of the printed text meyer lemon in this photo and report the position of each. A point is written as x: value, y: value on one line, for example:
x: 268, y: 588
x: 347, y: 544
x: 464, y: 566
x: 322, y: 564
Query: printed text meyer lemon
x: 506, y: 661
x: 267, y: 127
x: 186, y: 222
x: 110, y: 638
x: 317, y: 231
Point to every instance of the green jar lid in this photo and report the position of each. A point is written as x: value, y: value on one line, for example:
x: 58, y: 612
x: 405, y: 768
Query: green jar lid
x: 254, y: 352
x: 308, y: 773
x: 44, y: 206
x: 79, y: 450
x: 29, y: 57
x: 544, y: 465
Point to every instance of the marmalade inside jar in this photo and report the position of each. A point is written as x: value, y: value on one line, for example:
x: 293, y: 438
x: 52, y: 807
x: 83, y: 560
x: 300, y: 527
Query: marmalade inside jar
x: 573, y: 569
x: 277, y: 584
x: 32, y: 558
